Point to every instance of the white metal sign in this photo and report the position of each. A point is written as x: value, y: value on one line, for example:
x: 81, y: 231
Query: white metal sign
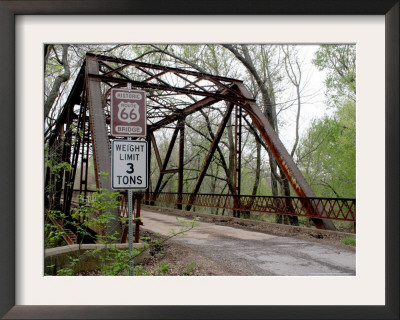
x: 129, y: 164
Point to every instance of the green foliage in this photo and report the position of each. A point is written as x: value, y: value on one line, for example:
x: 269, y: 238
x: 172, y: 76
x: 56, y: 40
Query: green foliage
x: 53, y: 235
x: 327, y: 154
x: 65, y: 272
x: 340, y: 63
x: 139, y: 270
x: 70, y: 270
x: 115, y: 261
x: 157, y: 245
x: 57, y: 169
x: 349, y: 241
x: 163, y: 268
x: 95, y: 210
x: 186, y: 225
x: 189, y: 269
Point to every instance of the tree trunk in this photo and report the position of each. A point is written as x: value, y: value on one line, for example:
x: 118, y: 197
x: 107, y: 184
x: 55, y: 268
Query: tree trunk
x: 258, y: 170
x: 57, y: 83
x: 285, y: 188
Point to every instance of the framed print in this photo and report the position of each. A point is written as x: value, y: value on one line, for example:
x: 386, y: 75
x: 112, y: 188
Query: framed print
x: 173, y: 298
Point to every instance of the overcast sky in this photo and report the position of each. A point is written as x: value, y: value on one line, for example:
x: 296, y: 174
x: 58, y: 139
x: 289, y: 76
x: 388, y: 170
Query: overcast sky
x: 313, y: 100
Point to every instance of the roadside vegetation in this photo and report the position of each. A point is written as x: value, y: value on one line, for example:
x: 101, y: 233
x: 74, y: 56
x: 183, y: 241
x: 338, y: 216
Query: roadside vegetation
x: 349, y: 241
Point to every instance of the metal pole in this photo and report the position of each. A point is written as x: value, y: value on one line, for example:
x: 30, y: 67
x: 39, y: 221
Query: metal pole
x: 181, y: 122
x: 130, y: 227
x: 130, y: 231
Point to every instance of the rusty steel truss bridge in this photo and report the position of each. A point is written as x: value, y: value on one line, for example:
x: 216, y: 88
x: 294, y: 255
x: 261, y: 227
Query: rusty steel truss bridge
x: 172, y: 94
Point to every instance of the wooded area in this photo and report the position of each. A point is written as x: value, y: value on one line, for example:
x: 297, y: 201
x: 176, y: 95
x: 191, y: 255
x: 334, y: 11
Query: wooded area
x: 278, y: 77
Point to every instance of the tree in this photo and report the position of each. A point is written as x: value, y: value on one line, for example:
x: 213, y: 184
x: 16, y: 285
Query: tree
x: 242, y: 53
x: 328, y: 150
x: 340, y: 63
x: 327, y: 155
x: 57, y: 67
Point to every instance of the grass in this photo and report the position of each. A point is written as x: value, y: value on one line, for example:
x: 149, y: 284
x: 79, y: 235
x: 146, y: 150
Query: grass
x: 349, y: 241
x: 163, y: 268
x: 189, y: 268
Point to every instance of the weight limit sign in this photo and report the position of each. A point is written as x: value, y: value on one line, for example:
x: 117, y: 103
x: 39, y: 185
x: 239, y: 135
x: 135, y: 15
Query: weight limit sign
x: 129, y: 165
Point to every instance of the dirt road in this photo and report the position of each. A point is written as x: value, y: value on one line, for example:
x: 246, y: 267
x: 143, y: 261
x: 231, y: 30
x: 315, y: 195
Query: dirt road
x: 255, y: 253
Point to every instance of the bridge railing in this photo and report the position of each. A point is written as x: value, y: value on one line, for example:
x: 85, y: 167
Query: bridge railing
x: 343, y: 209
x: 328, y: 208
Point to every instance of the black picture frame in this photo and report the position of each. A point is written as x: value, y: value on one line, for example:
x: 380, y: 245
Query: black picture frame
x: 8, y: 230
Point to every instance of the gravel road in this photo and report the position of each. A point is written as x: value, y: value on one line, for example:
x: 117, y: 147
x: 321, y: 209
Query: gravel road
x: 224, y: 250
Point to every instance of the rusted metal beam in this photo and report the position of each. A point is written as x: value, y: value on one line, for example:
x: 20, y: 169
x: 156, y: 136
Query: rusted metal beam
x: 157, y: 100
x: 222, y: 85
x: 117, y: 71
x: 167, y: 156
x: 152, y: 75
x: 155, y: 147
x: 159, y: 67
x: 283, y: 158
x: 139, y: 84
x: 237, y: 160
x: 208, y: 158
x: 155, y: 76
x: 170, y: 171
x: 66, y: 158
x: 100, y: 141
x: 206, y: 102
x: 190, y: 82
x: 149, y: 143
x: 138, y: 222
x: 83, y: 186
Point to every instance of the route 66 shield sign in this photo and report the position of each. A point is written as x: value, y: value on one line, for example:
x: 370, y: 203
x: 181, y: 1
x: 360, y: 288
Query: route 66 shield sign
x: 128, y: 112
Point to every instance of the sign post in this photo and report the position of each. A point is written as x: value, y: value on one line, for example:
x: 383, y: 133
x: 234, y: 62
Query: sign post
x: 129, y: 158
x: 129, y: 171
